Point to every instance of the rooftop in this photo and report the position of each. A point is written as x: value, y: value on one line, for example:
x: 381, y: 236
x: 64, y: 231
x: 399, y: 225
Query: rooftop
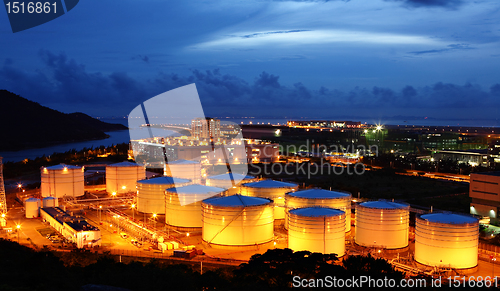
x: 382, y: 204
x: 319, y: 194
x: 270, y: 184
x: 124, y: 164
x: 236, y: 176
x: 449, y: 218
x: 317, y: 212
x: 236, y: 201
x: 196, y: 189
x: 165, y: 180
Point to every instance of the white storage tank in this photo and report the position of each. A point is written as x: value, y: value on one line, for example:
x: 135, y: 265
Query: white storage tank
x: 184, y: 169
x: 50, y: 202
x: 237, y: 220
x: 183, y: 204
x: 226, y: 180
x: 62, y: 180
x: 317, y: 229
x: 32, y: 206
x: 382, y: 224
x: 151, y: 193
x: 447, y: 240
x: 274, y: 190
x: 122, y: 177
x: 320, y: 197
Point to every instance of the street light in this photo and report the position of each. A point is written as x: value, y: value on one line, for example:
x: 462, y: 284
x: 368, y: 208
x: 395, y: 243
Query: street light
x: 154, y: 217
x: 113, y: 194
x: 100, y: 211
x: 133, y: 206
x: 18, y: 228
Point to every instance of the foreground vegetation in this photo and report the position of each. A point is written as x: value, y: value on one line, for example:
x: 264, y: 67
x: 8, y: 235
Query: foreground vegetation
x: 25, y: 269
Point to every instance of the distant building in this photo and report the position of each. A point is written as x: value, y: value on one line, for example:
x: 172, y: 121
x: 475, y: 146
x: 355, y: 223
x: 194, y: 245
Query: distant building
x: 485, y: 193
x: 471, y: 157
x: 205, y: 128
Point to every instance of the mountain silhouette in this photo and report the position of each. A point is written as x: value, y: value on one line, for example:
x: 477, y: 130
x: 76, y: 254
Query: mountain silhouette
x: 27, y: 124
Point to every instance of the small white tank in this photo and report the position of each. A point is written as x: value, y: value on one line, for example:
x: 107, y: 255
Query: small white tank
x: 32, y: 207
x: 50, y: 202
x: 317, y: 229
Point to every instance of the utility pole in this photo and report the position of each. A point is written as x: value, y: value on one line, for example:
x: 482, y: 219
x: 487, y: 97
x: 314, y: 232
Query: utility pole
x: 3, y: 200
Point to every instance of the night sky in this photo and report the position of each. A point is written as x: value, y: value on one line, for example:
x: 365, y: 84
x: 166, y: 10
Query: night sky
x: 317, y: 59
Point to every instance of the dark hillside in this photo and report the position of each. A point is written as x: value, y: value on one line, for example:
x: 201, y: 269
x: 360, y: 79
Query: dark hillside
x: 27, y: 124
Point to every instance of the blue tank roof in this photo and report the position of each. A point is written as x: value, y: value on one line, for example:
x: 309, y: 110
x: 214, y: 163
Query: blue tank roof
x: 319, y: 194
x: 196, y: 189
x: 382, y: 204
x: 270, y: 184
x: 449, y: 218
x: 236, y: 176
x: 165, y: 180
x: 124, y: 164
x: 236, y: 201
x: 62, y: 166
x: 182, y: 162
x: 317, y: 212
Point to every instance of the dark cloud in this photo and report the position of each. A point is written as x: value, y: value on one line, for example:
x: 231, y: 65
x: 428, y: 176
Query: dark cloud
x: 64, y: 84
x: 142, y: 58
x: 293, y: 58
x: 272, y: 32
x: 451, y: 47
x: 453, y: 4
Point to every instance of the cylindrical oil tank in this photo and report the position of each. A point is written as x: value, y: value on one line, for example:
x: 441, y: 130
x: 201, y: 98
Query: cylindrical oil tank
x: 185, y: 169
x: 447, y: 240
x: 382, y: 224
x: 274, y: 190
x: 320, y: 197
x: 122, y: 177
x: 183, y: 204
x: 31, y: 206
x: 237, y: 220
x: 151, y: 193
x: 50, y: 202
x: 228, y: 181
x: 62, y: 180
x: 317, y: 229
